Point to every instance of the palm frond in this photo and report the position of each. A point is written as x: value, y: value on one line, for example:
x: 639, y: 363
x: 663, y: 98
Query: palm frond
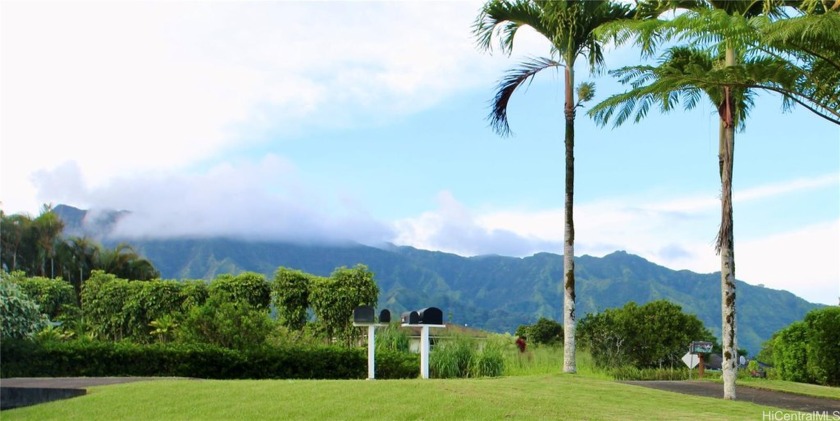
x: 502, y: 19
x: 683, y: 76
x: 514, y: 79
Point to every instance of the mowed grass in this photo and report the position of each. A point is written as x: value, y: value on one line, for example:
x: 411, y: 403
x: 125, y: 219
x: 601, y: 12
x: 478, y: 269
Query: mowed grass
x: 536, y: 397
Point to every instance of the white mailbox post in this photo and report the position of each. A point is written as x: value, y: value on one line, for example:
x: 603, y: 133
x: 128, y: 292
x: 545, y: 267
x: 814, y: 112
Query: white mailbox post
x: 363, y: 316
x: 426, y: 318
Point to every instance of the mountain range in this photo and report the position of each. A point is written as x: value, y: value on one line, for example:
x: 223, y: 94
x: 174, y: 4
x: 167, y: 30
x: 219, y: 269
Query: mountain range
x: 495, y: 293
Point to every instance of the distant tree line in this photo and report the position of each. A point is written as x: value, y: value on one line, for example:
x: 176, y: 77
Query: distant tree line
x: 37, y: 247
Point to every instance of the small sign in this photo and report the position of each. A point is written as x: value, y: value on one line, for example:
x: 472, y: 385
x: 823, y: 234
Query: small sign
x: 690, y: 360
x: 698, y: 347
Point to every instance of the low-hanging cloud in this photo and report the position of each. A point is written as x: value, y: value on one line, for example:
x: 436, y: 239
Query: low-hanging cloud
x: 262, y: 200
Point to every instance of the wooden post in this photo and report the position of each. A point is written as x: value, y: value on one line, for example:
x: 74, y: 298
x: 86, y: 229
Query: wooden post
x: 701, y: 366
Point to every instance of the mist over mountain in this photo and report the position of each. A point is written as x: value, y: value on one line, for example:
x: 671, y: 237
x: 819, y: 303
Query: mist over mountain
x: 496, y: 293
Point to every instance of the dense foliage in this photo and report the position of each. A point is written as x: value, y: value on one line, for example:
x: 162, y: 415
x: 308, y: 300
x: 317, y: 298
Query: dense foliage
x: 20, y: 316
x: 160, y: 323
x: 117, y: 309
x: 656, y: 334
x: 247, y: 287
x: 806, y: 351
x: 291, y: 296
x: 100, y: 358
x: 56, y: 298
x: 333, y: 299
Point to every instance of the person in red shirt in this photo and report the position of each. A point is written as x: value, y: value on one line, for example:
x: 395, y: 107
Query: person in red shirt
x: 520, y: 342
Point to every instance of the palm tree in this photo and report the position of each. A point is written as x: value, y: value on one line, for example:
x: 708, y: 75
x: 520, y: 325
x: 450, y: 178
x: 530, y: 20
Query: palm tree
x: 569, y: 26
x: 79, y: 255
x: 726, y: 28
x: 13, y: 232
x: 48, y: 227
x: 124, y: 262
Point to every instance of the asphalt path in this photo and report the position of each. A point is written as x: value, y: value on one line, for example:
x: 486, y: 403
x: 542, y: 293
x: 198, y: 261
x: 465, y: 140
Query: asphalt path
x: 761, y: 397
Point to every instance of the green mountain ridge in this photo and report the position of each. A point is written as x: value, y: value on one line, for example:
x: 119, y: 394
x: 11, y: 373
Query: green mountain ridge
x: 495, y: 293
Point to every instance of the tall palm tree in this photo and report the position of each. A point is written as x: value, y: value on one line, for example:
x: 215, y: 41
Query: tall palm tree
x: 569, y: 26
x: 726, y: 29
x: 78, y: 257
x: 48, y: 227
x: 13, y: 233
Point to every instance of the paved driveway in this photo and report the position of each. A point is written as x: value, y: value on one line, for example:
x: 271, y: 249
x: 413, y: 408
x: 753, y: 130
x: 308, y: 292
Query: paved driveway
x: 748, y: 394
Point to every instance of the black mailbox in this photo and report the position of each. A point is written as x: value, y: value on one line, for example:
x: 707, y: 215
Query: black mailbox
x: 430, y: 316
x: 385, y: 316
x: 363, y: 314
x: 410, y: 317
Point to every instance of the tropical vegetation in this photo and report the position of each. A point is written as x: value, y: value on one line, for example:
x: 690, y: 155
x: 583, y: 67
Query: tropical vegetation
x: 806, y: 351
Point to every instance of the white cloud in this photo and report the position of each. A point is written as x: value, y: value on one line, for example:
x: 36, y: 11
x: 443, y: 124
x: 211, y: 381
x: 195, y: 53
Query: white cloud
x: 678, y: 233
x: 263, y: 200
x: 805, y: 260
x: 127, y: 87
x: 454, y: 228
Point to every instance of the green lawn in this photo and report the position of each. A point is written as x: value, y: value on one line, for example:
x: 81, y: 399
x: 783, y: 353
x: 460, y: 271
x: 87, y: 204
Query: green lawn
x: 553, y: 397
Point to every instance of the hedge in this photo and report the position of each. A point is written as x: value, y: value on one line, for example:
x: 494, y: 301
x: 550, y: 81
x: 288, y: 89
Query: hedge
x: 25, y: 358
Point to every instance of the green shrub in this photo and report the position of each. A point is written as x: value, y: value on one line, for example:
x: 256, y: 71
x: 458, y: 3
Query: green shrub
x: 26, y: 358
x: 54, y: 297
x: 790, y: 352
x: 823, y: 334
x: 248, y: 287
x: 235, y: 325
x: 20, y: 316
x: 291, y: 296
x: 397, y: 365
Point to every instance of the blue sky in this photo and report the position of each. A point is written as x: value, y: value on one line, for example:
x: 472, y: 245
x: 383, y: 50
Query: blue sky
x: 366, y: 121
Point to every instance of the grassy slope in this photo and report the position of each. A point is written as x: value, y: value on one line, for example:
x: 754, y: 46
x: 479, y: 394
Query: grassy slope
x: 522, y: 397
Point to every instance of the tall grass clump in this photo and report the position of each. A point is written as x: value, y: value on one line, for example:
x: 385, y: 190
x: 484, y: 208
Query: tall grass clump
x: 632, y: 373
x: 462, y: 356
x: 451, y: 357
x: 392, y: 338
x: 546, y: 359
x: 490, y: 360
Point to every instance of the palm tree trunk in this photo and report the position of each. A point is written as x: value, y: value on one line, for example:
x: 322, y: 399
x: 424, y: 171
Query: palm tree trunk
x: 726, y: 240
x: 569, y: 365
